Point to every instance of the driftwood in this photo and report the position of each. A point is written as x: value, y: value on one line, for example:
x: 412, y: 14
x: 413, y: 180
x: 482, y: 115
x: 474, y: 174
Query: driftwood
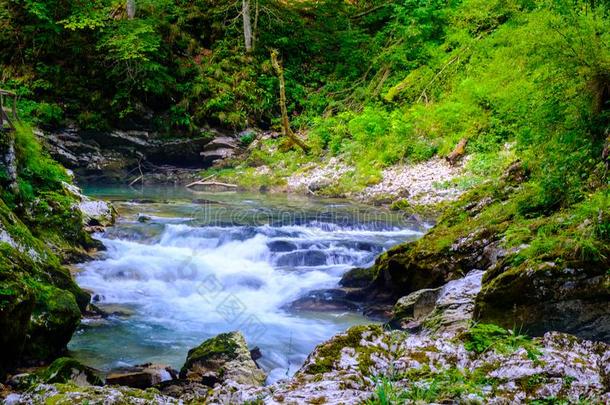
x: 134, y: 181
x: 207, y: 182
x: 211, y: 183
x: 458, y: 152
x: 286, y: 130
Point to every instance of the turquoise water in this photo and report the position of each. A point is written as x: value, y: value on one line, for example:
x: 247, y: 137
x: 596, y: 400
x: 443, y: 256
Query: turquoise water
x: 181, y: 267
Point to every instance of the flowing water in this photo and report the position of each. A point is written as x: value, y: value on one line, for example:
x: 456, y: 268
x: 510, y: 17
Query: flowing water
x: 181, y: 267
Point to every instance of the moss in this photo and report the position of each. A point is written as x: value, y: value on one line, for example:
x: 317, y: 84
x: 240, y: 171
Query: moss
x: 16, y: 305
x: 66, y: 369
x: 328, y: 353
x: 358, y: 277
x: 223, y: 346
x: 54, y: 319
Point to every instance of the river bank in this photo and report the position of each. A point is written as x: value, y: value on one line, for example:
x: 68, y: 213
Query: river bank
x: 426, y: 282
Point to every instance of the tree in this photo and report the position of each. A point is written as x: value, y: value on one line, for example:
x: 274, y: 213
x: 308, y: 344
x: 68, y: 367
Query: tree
x: 245, y: 12
x: 130, y: 6
x: 287, y: 131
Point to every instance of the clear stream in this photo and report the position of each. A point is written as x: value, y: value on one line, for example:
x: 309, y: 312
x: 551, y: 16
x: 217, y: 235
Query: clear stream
x: 183, y: 266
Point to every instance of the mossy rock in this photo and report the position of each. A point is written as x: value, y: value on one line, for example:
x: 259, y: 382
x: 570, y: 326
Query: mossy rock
x: 70, y: 393
x: 325, y: 357
x: 68, y: 370
x: 357, y: 278
x: 16, y: 305
x: 449, y: 251
x: 54, y: 319
x: 569, y: 297
x: 222, y: 358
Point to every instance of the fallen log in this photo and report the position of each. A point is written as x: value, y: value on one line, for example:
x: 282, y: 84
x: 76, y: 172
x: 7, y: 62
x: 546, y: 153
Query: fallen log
x: 134, y: 181
x: 195, y: 183
x: 212, y: 183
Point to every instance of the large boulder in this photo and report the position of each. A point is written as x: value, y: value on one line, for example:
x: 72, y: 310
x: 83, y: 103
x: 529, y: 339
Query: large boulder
x: 40, y: 305
x: 222, y: 358
x: 439, y: 257
x: 63, y: 370
x: 568, y: 297
x: 16, y: 305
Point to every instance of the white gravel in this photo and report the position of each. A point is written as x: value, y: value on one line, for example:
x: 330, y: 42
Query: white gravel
x: 420, y: 184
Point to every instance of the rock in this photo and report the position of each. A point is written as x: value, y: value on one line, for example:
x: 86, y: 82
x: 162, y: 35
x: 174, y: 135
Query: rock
x: 65, y: 369
x: 357, y: 277
x: 186, y: 390
x: 219, y: 148
x: 107, y: 395
x: 108, y: 310
x: 366, y: 361
x: 431, y: 262
x: 222, y: 358
x: 411, y: 310
x: 95, y: 213
x: 112, y: 155
x: 516, y: 173
x: 54, y: 319
x: 40, y: 304
x: 144, y: 218
x: 324, y: 300
x: 445, y: 310
x: 62, y: 370
x: 417, y: 185
x: 18, y: 302
x: 567, y: 297
x: 141, y: 376
x: 302, y: 258
x: 256, y: 353
x: 281, y: 246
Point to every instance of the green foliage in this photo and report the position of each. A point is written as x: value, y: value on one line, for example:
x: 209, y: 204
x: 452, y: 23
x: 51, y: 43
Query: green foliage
x: 483, y: 337
x: 37, y: 171
x: 425, y: 386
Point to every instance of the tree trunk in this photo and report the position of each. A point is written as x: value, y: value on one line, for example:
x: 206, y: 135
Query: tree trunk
x: 245, y: 11
x: 285, y: 123
x: 255, y: 28
x: 131, y: 9
x: 10, y: 158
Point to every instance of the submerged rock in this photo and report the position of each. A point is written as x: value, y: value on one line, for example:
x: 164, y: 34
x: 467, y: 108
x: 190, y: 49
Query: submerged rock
x: 325, y: 300
x: 223, y: 358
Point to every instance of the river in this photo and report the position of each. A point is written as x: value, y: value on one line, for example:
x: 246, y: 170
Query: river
x: 181, y: 267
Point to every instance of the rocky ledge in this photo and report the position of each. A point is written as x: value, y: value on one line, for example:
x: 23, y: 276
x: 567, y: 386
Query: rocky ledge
x: 446, y: 358
x: 122, y: 155
x: 367, y: 363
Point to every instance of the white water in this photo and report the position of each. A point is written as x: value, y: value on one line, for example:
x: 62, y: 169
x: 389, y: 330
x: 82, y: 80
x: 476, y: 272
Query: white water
x: 187, y: 280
